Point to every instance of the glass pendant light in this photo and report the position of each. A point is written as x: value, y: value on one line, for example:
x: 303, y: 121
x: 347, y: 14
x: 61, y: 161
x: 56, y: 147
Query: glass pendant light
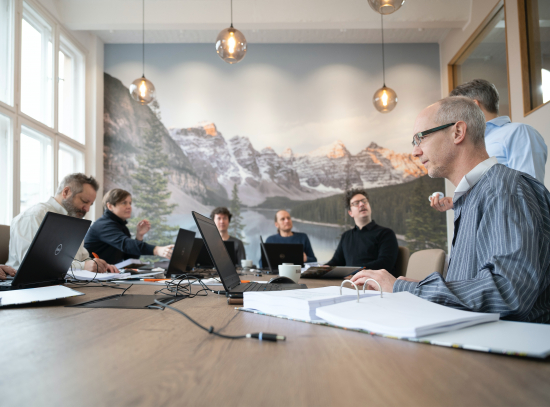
x: 385, y: 98
x: 231, y: 44
x: 142, y: 90
x: 386, y: 7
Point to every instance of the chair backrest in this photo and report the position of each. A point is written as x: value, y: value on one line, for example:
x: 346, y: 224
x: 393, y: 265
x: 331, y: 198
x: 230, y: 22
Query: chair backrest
x: 425, y: 262
x: 402, y: 261
x: 4, y: 243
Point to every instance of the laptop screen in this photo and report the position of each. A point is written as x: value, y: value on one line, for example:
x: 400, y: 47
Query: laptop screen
x: 217, y: 250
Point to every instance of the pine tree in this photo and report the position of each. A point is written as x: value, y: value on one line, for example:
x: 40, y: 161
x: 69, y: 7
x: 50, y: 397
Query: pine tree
x: 151, y: 195
x: 236, y: 227
x: 426, y: 227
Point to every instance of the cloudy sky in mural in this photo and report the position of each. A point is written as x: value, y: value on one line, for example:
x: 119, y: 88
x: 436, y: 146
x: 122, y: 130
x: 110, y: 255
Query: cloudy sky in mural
x: 321, y: 92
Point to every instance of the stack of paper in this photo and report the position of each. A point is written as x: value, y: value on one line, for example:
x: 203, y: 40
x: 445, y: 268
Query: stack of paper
x: 401, y: 314
x: 300, y: 304
x: 85, y: 275
x: 30, y: 295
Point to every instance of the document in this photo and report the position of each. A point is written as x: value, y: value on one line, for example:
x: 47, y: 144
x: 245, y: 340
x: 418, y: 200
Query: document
x: 29, y: 295
x: 125, y: 263
x: 85, y: 275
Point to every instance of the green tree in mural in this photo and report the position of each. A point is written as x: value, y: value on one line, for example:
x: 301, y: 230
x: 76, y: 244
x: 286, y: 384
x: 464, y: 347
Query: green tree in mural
x: 236, y: 227
x: 425, y: 228
x: 150, y: 183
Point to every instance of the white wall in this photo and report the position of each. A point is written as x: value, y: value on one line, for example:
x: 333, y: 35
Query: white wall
x: 450, y: 46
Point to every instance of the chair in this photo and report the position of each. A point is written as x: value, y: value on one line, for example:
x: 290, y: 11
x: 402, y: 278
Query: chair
x: 402, y: 261
x: 425, y: 262
x: 4, y: 243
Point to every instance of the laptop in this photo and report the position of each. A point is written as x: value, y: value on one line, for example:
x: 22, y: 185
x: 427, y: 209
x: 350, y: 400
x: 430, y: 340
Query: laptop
x: 51, y: 252
x: 204, y: 260
x: 179, y: 262
x: 275, y: 254
x: 225, y: 266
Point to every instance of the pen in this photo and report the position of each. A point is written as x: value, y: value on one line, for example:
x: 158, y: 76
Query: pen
x: 245, y: 281
x: 95, y: 255
x: 156, y: 279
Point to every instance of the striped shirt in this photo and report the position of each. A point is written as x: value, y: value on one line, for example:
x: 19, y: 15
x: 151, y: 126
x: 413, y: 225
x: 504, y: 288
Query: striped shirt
x: 500, y: 257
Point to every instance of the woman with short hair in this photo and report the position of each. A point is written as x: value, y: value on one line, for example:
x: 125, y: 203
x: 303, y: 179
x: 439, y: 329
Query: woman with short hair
x: 110, y: 238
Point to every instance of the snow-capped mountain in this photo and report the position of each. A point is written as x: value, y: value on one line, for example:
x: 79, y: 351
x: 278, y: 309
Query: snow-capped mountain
x: 261, y: 174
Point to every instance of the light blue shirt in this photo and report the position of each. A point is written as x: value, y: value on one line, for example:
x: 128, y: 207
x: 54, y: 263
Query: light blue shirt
x: 517, y: 146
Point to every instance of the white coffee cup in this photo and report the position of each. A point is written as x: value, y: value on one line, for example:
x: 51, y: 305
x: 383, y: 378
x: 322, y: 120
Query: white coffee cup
x: 291, y: 271
x: 246, y: 263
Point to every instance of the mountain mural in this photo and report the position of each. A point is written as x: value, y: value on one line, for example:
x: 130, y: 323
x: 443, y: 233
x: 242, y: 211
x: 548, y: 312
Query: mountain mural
x: 327, y: 170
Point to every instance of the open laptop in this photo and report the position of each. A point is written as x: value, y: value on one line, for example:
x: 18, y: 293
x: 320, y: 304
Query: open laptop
x: 275, y: 254
x: 224, y: 265
x: 204, y: 260
x: 179, y: 262
x: 51, y: 252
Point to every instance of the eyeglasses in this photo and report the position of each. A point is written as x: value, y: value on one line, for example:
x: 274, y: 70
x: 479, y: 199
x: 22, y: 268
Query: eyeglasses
x: 417, y: 138
x: 357, y: 203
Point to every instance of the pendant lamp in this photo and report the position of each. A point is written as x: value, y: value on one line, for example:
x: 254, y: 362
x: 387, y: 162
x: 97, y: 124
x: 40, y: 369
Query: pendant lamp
x: 142, y: 90
x: 386, y: 7
x: 385, y: 98
x: 231, y: 44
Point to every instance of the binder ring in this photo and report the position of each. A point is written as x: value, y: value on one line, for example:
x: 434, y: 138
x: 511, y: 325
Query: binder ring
x: 351, y: 282
x: 372, y: 279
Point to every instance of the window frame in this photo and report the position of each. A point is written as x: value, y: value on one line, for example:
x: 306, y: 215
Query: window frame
x: 475, y: 37
x: 19, y: 118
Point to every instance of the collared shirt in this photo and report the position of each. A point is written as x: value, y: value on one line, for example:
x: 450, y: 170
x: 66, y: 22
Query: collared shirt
x: 374, y: 247
x: 469, y: 180
x: 500, y: 257
x: 25, y: 225
x: 516, y: 145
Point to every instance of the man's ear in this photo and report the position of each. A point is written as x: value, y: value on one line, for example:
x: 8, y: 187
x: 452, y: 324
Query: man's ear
x: 349, y: 212
x: 459, y: 133
x: 477, y: 103
x: 66, y: 193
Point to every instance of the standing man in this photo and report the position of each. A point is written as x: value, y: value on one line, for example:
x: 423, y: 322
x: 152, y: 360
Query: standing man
x: 283, y: 223
x: 222, y: 217
x: 75, y: 195
x: 515, y: 145
x: 499, y: 259
x: 367, y: 244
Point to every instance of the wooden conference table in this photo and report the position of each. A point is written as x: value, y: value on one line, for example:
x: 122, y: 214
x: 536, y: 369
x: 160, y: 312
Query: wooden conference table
x: 58, y: 356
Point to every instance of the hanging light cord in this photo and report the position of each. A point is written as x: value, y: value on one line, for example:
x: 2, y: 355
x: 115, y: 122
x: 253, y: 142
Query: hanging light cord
x: 231, y: 13
x: 383, y: 64
x: 143, y: 37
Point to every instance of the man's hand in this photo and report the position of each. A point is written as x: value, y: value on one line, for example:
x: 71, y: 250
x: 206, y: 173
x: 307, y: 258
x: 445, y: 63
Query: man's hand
x: 142, y: 228
x: 6, y: 271
x: 99, y: 266
x: 441, y: 205
x: 305, y: 257
x: 385, y: 279
x: 164, y: 251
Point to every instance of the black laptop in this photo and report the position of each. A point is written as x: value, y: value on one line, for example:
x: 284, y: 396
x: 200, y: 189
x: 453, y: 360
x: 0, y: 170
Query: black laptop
x: 205, y: 261
x: 51, y: 252
x: 275, y: 254
x: 224, y: 265
x: 179, y: 262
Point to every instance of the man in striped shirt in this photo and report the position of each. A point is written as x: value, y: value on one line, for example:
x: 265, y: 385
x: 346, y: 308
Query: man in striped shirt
x: 500, y: 257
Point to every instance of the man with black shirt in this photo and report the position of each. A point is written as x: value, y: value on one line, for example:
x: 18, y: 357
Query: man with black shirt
x: 367, y: 244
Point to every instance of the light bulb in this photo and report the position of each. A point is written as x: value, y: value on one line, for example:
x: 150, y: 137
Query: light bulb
x: 386, y: 7
x: 231, y: 45
x: 384, y: 99
x: 142, y: 91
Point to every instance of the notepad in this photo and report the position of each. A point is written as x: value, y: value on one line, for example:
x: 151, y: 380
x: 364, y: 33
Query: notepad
x: 299, y: 304
x: 86, y: 275
x: 30, y: 295
x: 400, y: 314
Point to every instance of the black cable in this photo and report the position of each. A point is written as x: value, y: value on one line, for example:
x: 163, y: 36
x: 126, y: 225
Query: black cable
x: 260, y: 335
x: 383, y: 63
x: 231, y: 13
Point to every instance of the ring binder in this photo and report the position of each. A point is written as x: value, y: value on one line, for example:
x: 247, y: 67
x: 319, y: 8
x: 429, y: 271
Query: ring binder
x: 364, y: 286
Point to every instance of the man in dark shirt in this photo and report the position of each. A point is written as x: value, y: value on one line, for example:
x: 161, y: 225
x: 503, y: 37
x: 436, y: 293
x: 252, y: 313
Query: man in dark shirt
x: 283, y: 223
x: 367, y: 244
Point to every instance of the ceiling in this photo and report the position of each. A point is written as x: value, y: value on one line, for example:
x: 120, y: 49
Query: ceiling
x: 264, y: 21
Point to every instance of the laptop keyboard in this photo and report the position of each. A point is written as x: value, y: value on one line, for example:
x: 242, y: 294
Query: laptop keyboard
x: 5, y: 283
x: 257, y: 287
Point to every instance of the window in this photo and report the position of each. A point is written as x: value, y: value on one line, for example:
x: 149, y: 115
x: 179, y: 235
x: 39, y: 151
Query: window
x: 6, y: 51
x: 485, y: 58
x: 36, y: 67
x: 70, y: 160
x: 36, y: 169
x: 534, y: 18
x: 71, y: 91
x: 6, y: 175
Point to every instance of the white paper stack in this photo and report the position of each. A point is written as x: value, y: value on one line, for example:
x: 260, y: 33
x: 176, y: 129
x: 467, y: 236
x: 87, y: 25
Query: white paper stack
x: 85, y: 275
x: 300, y: 304
x: 29, y: 295
x: 401, y: 314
